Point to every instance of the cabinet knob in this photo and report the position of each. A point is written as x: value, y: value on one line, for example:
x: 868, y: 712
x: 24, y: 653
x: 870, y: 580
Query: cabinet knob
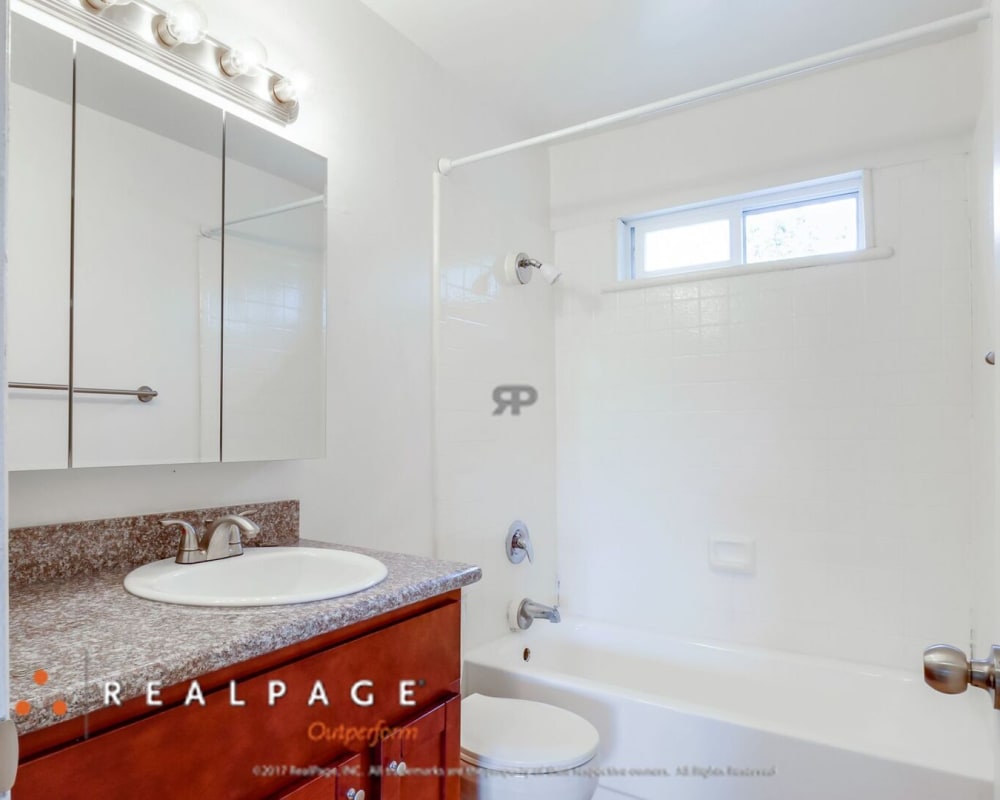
x: 355, y: 794
x: 397, y: 768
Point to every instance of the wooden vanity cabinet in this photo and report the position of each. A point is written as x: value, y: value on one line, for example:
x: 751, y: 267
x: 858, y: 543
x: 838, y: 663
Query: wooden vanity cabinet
x: 339, y: 780
x: 291, y: 749
x: 412, y: 760
x: 415, y: 762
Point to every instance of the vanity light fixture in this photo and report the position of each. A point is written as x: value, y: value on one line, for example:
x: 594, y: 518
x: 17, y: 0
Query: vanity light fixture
x: 244, y: 58
x: 291, y: 88
x: 285, y: 91
x: 185, y: 23
x: 99, y: 4
x: 176, y: 39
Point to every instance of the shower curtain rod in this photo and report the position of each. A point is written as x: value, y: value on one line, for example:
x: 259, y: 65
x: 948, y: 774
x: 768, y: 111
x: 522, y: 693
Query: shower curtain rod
x: 969, y: 18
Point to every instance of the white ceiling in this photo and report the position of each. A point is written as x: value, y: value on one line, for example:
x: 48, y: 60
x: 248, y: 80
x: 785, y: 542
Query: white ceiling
x: 559, y: 62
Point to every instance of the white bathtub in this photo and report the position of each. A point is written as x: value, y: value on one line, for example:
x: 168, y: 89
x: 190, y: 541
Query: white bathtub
x: 747, y: 724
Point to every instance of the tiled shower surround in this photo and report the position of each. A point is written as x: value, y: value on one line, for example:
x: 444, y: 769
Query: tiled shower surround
x: 823, y: 413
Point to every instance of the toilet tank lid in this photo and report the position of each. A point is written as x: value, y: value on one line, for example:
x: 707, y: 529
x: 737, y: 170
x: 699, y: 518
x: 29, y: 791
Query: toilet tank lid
x: 503, y: 733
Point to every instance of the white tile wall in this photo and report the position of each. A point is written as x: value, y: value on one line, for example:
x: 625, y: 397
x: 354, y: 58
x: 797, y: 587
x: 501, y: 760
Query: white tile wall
x: 491, y: 470
x: 275, y: 321
x: 823, y: 413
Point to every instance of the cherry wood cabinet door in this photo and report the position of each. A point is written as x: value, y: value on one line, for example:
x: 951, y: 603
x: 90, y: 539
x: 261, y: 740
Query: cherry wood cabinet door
x: 347, y: 779
x: 355, y: 776
x: 421, y: 760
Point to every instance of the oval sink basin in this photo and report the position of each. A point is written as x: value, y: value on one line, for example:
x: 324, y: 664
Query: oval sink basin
x: 262, y: 576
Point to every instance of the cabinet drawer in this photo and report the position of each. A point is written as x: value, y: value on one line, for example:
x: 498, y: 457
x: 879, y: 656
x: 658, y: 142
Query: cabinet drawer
x: 213, y: 750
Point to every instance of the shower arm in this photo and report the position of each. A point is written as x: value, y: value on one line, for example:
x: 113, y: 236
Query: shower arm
x: 519, y: 268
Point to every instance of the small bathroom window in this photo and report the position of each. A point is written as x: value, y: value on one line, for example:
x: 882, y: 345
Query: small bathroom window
x: 816, y: 218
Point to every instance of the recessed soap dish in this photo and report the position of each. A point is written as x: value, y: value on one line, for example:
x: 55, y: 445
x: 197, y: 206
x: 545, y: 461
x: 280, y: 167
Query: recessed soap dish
x: 733, y: 554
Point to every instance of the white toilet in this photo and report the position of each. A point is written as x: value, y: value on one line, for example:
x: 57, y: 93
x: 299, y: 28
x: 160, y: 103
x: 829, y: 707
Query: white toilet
x: 523, y: 750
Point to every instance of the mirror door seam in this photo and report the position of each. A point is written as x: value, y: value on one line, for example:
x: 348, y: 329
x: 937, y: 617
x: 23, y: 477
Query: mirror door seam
x: 222, y: 292
x: 72, y: 263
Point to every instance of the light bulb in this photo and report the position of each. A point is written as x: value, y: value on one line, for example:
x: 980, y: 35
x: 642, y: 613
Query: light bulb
x: 291, y: 88
x: 102, y: 4
x: 244, y: 58
x: 186, y: 23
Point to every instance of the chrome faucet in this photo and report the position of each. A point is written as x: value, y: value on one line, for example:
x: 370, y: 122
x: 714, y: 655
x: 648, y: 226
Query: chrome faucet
x: 223, y: 538
x: 529, y: 611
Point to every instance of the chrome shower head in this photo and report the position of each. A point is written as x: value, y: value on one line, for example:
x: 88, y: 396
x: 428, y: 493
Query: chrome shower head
x: 520, y: 267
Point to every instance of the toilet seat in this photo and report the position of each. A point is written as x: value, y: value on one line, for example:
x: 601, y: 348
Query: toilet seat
x: 501, y: 733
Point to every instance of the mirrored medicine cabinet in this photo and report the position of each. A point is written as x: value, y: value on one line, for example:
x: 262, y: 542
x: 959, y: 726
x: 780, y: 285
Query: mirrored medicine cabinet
x: 167, y: 272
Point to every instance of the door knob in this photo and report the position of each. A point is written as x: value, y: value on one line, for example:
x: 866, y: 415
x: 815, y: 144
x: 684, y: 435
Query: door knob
x: 947, y: 670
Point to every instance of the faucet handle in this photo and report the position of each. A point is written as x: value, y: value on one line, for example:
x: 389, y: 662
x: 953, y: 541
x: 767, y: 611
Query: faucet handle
x: 518, y: 544
x: 189, y: 539
x: 248, y: 513
x: 238, y: 525
x: 236, y: 533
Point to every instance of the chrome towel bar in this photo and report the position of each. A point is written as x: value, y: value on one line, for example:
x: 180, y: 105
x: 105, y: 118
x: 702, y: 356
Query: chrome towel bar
x: 143, y: 393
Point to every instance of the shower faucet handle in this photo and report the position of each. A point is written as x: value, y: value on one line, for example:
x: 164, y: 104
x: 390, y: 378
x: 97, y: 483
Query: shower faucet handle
x: 947, y: 670
x: 519, y: 543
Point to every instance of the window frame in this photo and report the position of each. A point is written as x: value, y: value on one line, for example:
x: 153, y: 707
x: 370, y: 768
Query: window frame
x: 735, y: 209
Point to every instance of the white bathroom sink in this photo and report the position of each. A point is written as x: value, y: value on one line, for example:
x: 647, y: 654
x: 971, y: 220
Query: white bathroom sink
x: 262, y: 576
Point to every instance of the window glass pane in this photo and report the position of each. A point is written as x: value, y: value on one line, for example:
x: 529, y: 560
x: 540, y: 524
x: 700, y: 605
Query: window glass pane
x: 825, y: 226
x: 687, y: 246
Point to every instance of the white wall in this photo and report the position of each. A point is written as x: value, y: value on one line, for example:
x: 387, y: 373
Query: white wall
x: 988, y: 138
x: 382, y: 113
x: 824, y: 413
x: 983, y: 380
x: 779, y: 132
x: 494, y: 469
x: 4, y: 177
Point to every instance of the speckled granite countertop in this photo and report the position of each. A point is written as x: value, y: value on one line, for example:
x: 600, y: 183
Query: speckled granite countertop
x: 86, y: 630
